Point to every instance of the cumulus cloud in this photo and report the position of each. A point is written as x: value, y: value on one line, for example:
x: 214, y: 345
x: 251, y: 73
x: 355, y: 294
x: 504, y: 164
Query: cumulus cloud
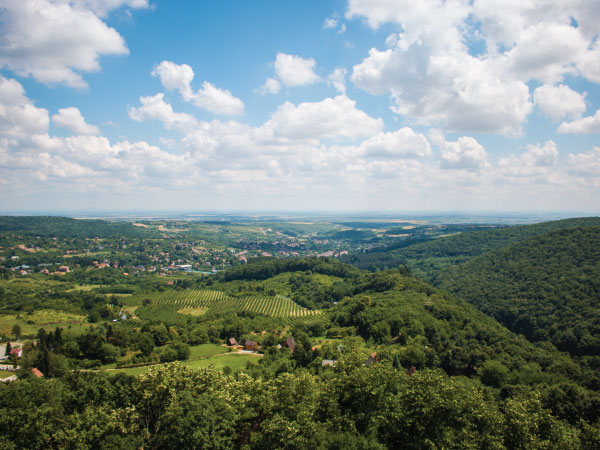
x: 558, y: 102
x: 60, y: 39
x: 19, y: 117
x: 404, y: 143
x: 586, y: 165
x: 175, y: 77
x: 437, y: 74
x: 71, y: 119
x: 330, y: 118
x: 209, y: 97
x: 534, y: 156
x: 585, y: 125
x: 218, y: 101
x: 293, y: 70
x: 465, y: 153
x: 155, y: 108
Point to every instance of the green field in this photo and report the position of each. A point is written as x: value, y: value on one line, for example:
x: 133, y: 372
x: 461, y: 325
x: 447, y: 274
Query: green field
x: 48, y: 319
x: 174, y: 305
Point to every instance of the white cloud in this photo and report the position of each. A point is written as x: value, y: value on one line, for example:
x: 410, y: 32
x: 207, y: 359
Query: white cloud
x: 60, y: 39
x: 71, y: 119
x: 586, y: 165
x: 293, y: 70
x: 271, y: 86
x: 209, y: 97
x: 436, y: 77
x: 337, y: 79
x: 175, y: 77
x: 330, y: 118
x: 155, y: 108
x: 534, y: 156
x: 103, y: 7
x: 404, y: 143
x: 465, y: 153
x: 585, y: 125
x: 558, y: 102
x: 19, y: 117
x: 218, y: 101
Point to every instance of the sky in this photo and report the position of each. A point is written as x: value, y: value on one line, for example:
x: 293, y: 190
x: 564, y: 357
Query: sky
x: 313, y: 105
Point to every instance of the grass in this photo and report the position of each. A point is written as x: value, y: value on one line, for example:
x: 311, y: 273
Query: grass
x: 6, y: 374
x: 48, y: 319
x: 206, y: 350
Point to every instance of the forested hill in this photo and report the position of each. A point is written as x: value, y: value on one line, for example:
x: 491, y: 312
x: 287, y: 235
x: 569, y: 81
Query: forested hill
x: 427, y: 259
x: 67, y: 227
x: 547, y: 287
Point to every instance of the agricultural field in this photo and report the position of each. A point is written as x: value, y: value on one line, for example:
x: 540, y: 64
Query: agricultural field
x: 175, y: 305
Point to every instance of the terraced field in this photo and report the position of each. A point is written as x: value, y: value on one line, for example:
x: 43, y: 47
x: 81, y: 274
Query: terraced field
x: 177, y: 304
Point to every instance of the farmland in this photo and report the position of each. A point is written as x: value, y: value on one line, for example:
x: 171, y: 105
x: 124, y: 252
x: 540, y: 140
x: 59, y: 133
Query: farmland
x: 176, y: 305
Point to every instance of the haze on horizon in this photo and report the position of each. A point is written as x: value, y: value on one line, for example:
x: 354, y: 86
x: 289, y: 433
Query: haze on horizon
x: 342, y: 105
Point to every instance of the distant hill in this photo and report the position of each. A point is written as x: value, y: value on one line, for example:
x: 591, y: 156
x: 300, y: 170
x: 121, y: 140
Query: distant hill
x: 546, y: 287
x: 67, y: 227
x: 428, y: 259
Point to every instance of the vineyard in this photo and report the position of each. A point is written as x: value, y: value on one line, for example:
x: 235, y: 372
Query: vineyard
x: 176, y: 305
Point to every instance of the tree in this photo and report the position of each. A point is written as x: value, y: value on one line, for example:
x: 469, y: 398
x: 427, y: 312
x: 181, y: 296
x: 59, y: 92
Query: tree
x: 16, y: 330
x: 146, y: 344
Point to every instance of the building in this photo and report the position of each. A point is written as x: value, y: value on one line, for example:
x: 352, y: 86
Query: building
x: 290, y: 343
x: 251, y: 345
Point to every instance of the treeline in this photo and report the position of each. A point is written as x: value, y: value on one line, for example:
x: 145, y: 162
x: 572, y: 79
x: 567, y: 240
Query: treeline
x: 263, y: 268
x: 67, y: 227
x: 351, y: 406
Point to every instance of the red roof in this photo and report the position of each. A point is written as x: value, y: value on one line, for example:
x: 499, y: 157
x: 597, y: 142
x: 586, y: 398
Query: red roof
x: 16, y: 351
x: 37, y: 373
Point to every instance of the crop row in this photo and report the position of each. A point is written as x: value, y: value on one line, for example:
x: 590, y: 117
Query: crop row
x: 217, y: 301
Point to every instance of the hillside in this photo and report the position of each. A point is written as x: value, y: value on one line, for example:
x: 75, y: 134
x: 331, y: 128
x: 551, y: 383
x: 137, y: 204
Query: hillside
x: 427, y: 259
x: 546, y: 287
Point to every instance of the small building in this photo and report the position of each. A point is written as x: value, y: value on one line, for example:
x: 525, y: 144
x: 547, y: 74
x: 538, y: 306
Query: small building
x: 16, y: 352
x: 63, y: 269
x: 37, y: 372
x: 328, y: 363
x: 251, y: 345
x: 290, y: 343
x: 232, y: 342
x: 411, y: 371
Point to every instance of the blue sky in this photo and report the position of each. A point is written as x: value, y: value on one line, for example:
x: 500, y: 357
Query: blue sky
x: 314, y: 105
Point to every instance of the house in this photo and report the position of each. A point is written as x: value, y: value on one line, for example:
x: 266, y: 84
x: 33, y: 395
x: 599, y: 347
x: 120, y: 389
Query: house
x: 37, y: 372
x: 290, y: 343
x: 251, y: 345
x: 16, y: 352
x: 231, y: 341
x: 63, y: 269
